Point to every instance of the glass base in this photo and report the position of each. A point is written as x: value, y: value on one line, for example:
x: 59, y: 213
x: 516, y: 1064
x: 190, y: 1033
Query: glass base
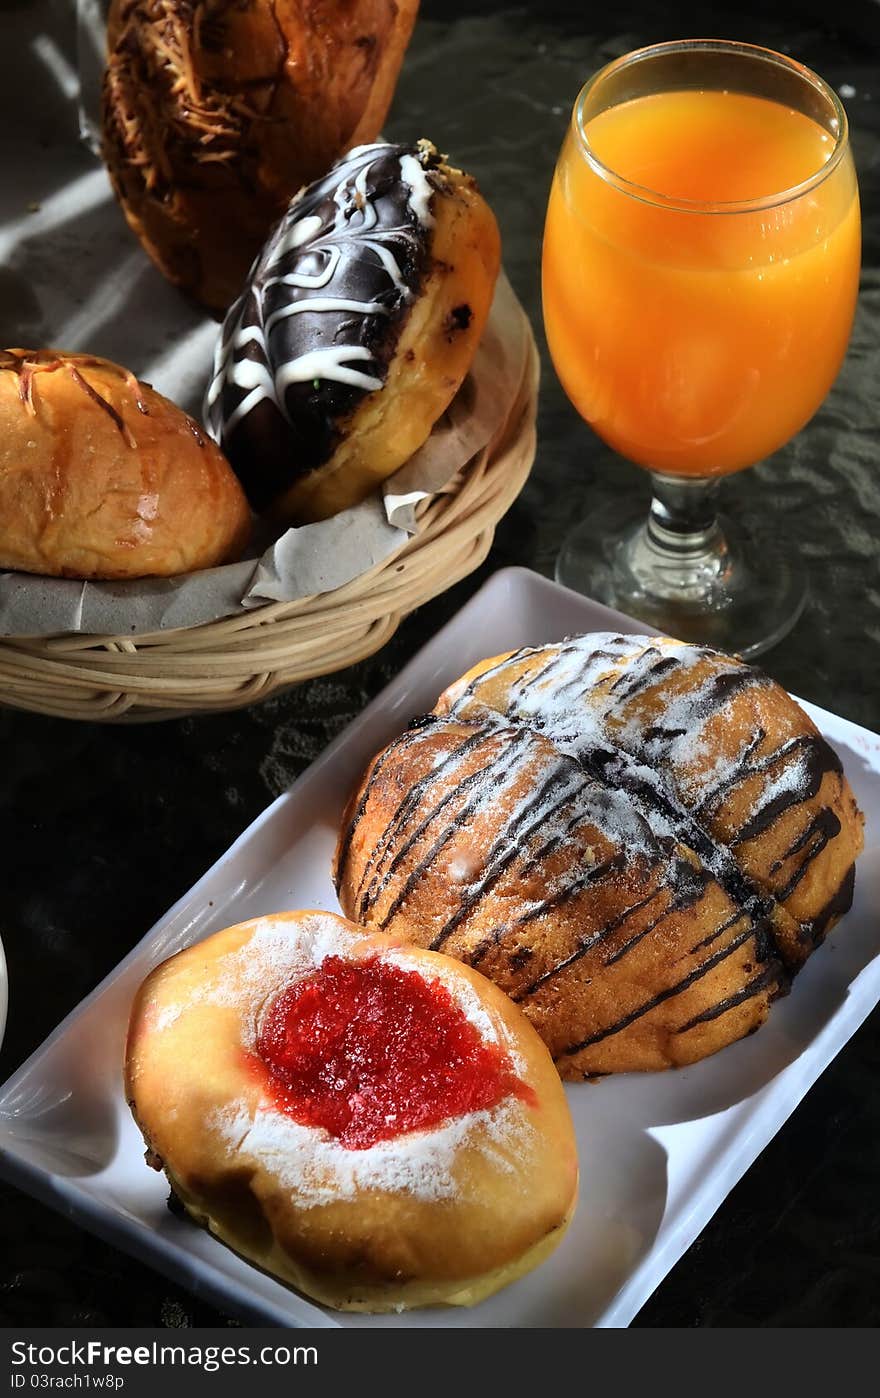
x: 741, y: 593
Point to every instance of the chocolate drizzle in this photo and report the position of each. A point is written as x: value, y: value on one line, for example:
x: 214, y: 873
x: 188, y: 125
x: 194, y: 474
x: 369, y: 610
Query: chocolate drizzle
x: 584, y: 713
x: 557, y: 790
x: 349, y: 834
x: 595, y: 795
x: 819, y: 759
x: 610, y: 866
x: 503, y: 765
x: 765, y: 980
x: 648, y: 788
x: 384, y: 871
x: 837, y: 905
x: 567, y: 797
x: 813, y: 839
x: 317, y: 324
x: 670, y: 991
x: 630, y: 682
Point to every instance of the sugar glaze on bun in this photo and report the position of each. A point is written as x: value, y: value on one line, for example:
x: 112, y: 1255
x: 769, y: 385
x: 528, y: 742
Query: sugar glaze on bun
x: 102, y: 477
x: 737, y: 752
x: 371, y: 1123
x: 639, y: 841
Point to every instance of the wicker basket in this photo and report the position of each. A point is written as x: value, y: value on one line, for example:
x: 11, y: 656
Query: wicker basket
x: 240, y: 659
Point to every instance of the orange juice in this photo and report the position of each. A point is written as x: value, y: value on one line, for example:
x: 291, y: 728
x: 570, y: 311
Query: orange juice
x: 694, y: 331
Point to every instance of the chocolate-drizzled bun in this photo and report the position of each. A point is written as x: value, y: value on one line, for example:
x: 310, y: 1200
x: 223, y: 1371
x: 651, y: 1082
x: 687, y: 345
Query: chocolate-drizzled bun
x: 735, y: 750
x: 216, y: 112
x: 102, y: 477
x: 639, y: 841
x: 358, y: 324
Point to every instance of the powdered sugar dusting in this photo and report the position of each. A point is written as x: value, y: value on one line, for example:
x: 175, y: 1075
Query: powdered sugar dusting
x: 317, y: 1170
x: 462, y: 868
x: 280, y: 952
x: 580, y: 699
x: 787, y: 782
x: 699, y: 781
x: 554, y: 703
x: 276, y: 953
x: 559, y: 785
x: 167, y: 1016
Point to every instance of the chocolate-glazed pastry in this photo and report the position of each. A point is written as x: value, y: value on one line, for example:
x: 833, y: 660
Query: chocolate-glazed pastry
x: 216, y: 112
x: 640, y: 841
x: 359, y: 321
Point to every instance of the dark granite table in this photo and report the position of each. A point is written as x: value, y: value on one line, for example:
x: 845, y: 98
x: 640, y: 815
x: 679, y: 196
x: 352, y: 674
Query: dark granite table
x: 104, y: 827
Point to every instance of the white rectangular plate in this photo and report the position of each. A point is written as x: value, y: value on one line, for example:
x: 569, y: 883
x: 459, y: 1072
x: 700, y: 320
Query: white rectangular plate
x: 658, y: 1152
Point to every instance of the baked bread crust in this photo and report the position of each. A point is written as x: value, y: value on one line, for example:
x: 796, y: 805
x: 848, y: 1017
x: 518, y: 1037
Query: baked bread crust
x: 578, y: 898
x: 102, y: 477
x: 446, y: 1216
x: 738, y: 752
x: 639, y: 841
x: 217, y: 111
x: 359, y: 321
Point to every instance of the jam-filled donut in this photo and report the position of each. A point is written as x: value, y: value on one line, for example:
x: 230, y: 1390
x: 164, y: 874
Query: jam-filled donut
x: 371, y: 1123
x: 639, y: 841
x: 359, y: 321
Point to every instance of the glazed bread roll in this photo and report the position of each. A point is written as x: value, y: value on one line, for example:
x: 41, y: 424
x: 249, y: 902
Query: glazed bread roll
x: 356, y: 328
x: 639, y: 841
x: 373, y: 1124
x: 734, y: 748
x: 577, y: 891
x: 101, y: 477
x: 214, y: 114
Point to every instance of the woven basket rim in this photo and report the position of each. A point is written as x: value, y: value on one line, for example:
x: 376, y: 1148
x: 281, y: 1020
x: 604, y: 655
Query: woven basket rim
x: 238, y: 659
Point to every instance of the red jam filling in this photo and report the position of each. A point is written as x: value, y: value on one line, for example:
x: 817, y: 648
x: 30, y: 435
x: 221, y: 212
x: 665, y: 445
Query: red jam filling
x: 369, y: 1051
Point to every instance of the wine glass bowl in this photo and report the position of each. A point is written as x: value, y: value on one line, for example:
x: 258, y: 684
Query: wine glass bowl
x: 700, y: 273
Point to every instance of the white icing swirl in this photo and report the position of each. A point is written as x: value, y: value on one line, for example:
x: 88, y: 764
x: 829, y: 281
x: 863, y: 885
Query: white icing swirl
x: 364, y: 225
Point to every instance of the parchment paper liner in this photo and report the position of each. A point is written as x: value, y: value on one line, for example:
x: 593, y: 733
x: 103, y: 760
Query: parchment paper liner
x: 312, y: 559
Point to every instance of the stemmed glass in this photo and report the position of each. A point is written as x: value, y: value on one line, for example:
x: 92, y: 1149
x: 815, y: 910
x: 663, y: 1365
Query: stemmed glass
x: 700, y: 274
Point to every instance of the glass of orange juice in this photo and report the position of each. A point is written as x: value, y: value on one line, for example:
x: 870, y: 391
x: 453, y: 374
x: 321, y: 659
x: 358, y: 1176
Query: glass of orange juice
x: 700, y: 273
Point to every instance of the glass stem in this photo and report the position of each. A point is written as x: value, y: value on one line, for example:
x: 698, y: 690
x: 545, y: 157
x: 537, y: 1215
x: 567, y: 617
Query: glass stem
x: 683, y: 523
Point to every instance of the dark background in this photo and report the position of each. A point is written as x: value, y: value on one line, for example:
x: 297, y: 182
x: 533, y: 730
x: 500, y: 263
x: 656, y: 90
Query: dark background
x: 104, y: 827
